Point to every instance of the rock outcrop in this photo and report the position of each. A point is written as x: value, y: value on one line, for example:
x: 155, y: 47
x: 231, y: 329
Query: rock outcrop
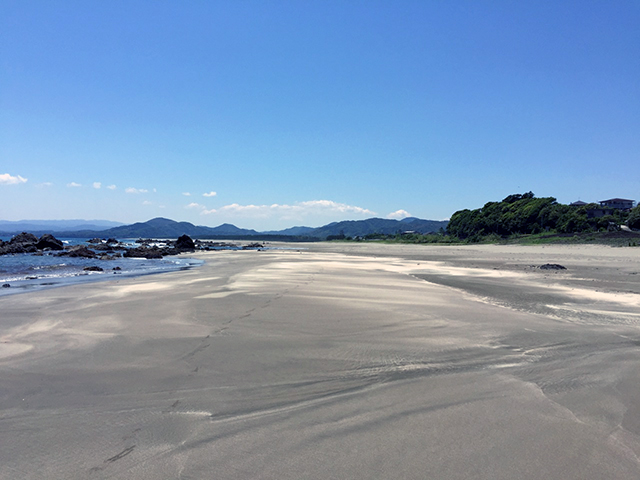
x: 184, y: 243
x: 49, y: 241
x: 21, y: 243
x: 78, y: 251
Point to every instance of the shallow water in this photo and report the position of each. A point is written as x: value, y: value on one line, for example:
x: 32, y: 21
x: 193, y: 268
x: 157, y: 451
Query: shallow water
x: 27, y: 272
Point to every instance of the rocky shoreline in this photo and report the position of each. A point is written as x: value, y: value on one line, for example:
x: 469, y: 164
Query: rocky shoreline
x: 107, y: 249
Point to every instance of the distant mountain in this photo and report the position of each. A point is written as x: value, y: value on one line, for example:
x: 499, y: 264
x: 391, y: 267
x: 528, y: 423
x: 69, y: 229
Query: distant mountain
x: 295, y: 231
x: 166, y: 228
x: 360, y: 228
x: 51, y: 226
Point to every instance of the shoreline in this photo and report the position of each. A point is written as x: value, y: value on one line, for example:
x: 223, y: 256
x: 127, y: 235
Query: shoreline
x: 332, y: 361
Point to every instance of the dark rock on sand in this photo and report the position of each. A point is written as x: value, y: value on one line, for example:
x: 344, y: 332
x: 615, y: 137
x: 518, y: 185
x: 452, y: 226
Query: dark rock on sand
x: 49, y: 241
x: 5, y: 285
x: 552, y: 266
x: 185, y: 243
x: 252, y: 246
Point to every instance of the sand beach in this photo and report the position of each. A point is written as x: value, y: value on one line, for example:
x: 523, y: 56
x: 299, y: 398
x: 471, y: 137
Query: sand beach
x: 331, y: 361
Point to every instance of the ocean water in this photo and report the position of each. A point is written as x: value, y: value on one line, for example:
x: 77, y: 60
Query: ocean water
x: 27, y: 272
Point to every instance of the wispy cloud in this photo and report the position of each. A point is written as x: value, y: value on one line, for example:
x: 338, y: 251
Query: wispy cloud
x: 73, y: 185
x: 147, y: 202
x: 399, y: 214
x: 195, y: 205
x: 299, y: 210
x: 210, y: 194
x: 186, y: 194
x: 112, y: 187
x: 97, y: 185
x: 136, y: 190
x: 6, y: 179
x: 44, y: 184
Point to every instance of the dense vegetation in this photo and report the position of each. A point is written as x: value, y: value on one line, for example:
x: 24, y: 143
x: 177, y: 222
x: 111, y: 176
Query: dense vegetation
x: 522, y: 214
x: 634, y: 218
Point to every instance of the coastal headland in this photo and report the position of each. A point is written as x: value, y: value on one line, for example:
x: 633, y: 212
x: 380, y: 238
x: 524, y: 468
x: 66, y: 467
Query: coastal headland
x: 332, y: 360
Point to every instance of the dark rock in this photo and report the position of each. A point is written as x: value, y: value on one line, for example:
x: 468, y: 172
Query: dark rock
x: 24, y: 238
x: 9, y: 248
x: 116, y: 268
x: 185, y: 243
x: 552, y: 266
x: 5, y: 285
x: 253, y: 246
x: 111, y: 241
x: 78, y: 251
x: 49, y: 241
x: 95, y: 240
x: 93, y: 269
x: 143, y: 252
x: 21, y: 243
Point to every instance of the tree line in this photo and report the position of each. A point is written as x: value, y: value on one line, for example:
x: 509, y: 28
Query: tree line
x: 525, y: 214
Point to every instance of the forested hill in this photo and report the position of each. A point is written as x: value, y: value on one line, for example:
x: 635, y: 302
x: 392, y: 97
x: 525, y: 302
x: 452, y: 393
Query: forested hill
x: 526, y: 214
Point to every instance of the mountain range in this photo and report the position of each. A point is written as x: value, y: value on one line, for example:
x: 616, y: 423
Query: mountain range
x: 51, y: 226
x: 166, y: 228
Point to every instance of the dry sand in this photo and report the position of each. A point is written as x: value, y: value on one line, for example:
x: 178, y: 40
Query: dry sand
x: 337, y: 361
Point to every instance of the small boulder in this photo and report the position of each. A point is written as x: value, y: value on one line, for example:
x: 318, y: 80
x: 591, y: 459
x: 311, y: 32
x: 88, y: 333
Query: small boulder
x: 185, y: 242
x: 552, y: 266
x: 5, y: 285
x: 93, y: 269
x: 49, y: 241
x: 143, y: 252
x: 78, y: 251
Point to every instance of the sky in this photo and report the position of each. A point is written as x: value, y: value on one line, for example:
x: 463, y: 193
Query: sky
x: 269, y: 114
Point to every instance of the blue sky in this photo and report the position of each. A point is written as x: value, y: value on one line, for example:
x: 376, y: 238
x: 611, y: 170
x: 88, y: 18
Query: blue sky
x: 269, y: 114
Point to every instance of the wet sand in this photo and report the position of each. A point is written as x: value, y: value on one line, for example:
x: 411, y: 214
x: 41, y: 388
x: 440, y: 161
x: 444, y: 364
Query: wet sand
x: 334, y: 361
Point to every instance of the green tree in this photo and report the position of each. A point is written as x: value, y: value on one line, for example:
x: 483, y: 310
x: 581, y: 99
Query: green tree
x: 634, y: 218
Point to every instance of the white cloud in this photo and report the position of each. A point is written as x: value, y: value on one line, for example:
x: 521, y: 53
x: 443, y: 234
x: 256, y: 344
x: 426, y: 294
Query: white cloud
x: 147, y: 202
x: 73, y: 185
x: 44, y: 184
x: 112, y: 187
x: 195, y: 205
x: 210, y: 194
x: 6, y: 179
x: 97, y: 185
x: 299, y: 210
x: 136, y: 190
x: 186, y: 194
x: 399, y: 214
